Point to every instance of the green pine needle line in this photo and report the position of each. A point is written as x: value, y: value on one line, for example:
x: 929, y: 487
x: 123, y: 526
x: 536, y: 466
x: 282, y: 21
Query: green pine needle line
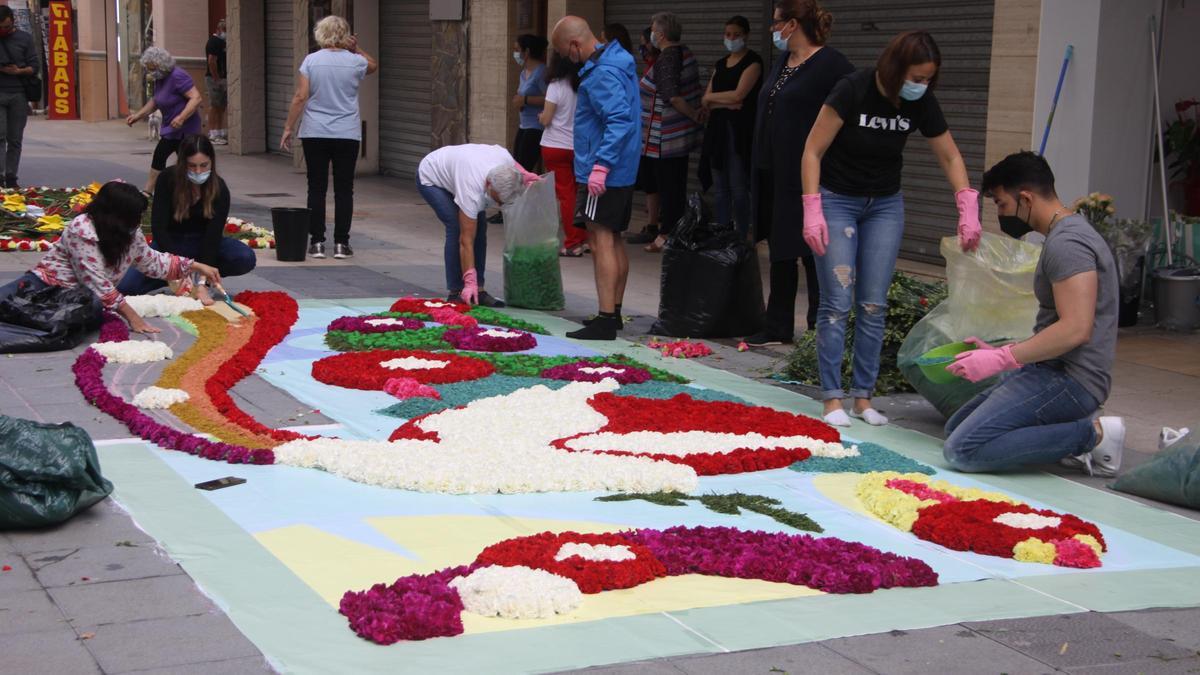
x: 730, y: 504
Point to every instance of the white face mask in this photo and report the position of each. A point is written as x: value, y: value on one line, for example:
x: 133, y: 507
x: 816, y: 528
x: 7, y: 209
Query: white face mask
x: 518, y: 58
x: 199, y: 178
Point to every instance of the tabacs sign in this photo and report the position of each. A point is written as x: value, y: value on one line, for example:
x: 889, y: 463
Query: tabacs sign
x: 62, y: 102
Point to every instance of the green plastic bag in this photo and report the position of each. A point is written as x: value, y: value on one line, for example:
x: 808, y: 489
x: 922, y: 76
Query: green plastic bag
x: 532, y: 278
x: 991, y: 298
x: 1173, y: 476
x: 48, y: 473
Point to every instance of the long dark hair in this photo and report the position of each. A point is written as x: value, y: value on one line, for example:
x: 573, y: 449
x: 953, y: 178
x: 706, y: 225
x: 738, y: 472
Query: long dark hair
x: 619, y: 33
x: 116, y: 213
x: 560, y: 67
x: 181, y: 197
x: 534, y: 44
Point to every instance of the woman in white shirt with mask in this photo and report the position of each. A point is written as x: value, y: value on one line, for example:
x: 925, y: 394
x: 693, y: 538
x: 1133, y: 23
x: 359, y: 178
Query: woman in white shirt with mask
x: 558, y: 143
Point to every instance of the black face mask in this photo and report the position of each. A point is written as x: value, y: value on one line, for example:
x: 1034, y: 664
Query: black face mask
x: 1015, y: 226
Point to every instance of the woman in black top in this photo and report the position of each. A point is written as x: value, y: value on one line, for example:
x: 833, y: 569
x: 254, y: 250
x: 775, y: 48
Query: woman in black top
x: 191, y: 205
x: 787, y: 107
x: 854, y: 210
x: 730, y: 102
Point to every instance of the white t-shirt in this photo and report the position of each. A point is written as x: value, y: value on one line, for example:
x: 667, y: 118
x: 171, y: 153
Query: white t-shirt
x: 462, y: 171
x: 560, y: 133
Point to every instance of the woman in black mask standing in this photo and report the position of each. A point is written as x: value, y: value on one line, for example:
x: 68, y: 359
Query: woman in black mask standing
x: 788, y: 104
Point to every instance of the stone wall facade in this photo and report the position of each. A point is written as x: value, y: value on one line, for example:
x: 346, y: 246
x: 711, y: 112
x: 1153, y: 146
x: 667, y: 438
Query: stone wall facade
x: 449, y: 96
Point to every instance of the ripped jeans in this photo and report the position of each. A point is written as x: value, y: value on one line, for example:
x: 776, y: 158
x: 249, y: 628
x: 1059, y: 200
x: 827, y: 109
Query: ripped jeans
x: 856, y: 271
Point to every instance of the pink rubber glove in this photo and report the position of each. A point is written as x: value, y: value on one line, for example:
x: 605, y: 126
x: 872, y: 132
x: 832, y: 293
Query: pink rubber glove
x: 596, y: 180
x: 969, y: 229
x: 470, y: 291
x: 527, y: 177
x: 816, y: 232
x: 980, y: 364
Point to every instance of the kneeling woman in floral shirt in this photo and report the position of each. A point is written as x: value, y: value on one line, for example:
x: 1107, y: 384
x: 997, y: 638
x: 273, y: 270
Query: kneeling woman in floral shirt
x: 99, y: 246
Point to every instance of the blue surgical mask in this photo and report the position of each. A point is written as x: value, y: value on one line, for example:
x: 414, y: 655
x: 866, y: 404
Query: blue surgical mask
x: 735, y: 45
x: 779, y: 40
x: 199, y: 178
x: 911, y: 91
x: 518, y: 58
x: 654, y: 40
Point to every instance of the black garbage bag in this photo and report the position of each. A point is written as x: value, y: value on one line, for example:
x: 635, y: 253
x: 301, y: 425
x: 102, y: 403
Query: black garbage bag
x: 48, y: 473
x: 710, y: 280
x: 47, y: 320
x: 1173, y: 476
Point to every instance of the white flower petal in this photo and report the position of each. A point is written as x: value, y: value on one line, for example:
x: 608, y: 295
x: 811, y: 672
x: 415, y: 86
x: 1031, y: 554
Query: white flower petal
x: 596, y: 553
x: 133, y: 351
x: 1027, y: 521
x: 517, y: 592
x: 157, y: 398
x: 162, y: 305
x: 413, y: 363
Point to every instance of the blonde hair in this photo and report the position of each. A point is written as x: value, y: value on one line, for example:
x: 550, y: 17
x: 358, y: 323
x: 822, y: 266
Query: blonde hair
x: 332, y: 32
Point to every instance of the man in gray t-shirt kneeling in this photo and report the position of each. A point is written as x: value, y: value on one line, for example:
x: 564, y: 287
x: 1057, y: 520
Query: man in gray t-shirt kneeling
x: 1045, y: 410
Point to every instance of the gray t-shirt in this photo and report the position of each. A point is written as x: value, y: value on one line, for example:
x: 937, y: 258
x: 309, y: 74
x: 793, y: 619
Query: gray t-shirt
x: 332, y: 108
x: 1073, y: 247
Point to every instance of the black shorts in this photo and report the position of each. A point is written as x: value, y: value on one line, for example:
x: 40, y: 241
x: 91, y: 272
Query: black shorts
x: 647, y: 177
x: 614, y: 208
x: 163, y: 151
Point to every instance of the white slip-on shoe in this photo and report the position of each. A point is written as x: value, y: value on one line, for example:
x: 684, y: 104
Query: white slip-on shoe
x: 837, y: 418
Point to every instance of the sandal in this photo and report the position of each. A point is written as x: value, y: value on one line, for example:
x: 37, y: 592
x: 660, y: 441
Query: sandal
x: 656, y: 246
x: 576, y: 252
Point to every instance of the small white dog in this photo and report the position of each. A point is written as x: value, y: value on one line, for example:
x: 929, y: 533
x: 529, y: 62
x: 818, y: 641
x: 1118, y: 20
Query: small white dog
x: 154, y: 125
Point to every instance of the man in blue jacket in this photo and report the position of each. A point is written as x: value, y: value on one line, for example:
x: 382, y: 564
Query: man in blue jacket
x: 607, y: 150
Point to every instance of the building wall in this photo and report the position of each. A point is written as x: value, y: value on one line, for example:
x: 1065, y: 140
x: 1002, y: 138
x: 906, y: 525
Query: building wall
x: 247, y: 113
x: 366, y: 27
x: 492, y: 82
x: 1012, y: 82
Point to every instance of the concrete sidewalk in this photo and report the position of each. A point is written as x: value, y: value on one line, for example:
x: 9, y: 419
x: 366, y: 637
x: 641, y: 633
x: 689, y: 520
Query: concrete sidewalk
x: 95, y: 595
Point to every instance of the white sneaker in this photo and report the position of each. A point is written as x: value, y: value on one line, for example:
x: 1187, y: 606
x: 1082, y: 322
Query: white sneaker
x: 837, y: 418
x: 871, y: 416
x: 1104, y: 460
x: 1168, y: 437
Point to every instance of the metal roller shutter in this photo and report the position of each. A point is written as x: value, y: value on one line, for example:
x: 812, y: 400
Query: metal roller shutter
x: 703, y: 32
x: 280, y: 78
x: 963, y: 30
x: 404, y: 89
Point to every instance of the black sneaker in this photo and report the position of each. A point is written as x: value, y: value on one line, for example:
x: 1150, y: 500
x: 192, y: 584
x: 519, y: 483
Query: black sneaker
x: 316, y: 249
x: 596, y: 317
x: 488, y: 300
x: 497, y: 218
x: 342, y: 251
x: 647, y: 235
x: 454, y: 297
x: 765, y: 339
x: 602, y: 328
x: 10, y: 181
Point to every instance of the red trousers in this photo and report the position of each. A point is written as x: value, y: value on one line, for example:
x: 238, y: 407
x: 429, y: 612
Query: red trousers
x: 562, y: 163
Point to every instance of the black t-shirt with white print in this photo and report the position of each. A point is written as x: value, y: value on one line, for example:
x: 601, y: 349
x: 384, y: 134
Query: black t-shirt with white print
x: 867, y: 155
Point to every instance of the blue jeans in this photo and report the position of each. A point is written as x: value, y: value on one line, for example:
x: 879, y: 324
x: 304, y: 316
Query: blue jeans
x: 856, y: 270
x: 233, y: 259
x: 731, y: 189
x: 442, y: 203
x: 1035, y: 415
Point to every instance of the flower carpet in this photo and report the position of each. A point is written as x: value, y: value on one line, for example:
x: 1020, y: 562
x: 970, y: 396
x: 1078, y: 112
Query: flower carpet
x: 480, y: 494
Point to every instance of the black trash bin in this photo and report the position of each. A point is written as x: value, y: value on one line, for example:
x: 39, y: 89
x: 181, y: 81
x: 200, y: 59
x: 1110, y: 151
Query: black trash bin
x: 291, y: 233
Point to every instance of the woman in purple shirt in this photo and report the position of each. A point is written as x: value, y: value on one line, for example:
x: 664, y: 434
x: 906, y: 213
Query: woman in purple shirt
x: 177, y: 97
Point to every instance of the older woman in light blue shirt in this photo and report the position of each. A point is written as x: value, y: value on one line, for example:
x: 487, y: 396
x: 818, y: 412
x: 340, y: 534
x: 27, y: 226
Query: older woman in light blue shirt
x: 326, y: 104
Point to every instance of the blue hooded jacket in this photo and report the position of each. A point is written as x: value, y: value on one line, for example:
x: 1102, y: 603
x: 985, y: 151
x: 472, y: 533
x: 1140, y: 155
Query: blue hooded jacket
x: 608, y: 124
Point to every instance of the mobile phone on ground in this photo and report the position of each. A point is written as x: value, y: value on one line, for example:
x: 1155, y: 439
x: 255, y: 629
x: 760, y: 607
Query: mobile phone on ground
x: 217, y: 484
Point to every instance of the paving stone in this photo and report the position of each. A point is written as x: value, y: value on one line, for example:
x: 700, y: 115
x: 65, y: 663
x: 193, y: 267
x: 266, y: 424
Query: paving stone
x: 167, y: 643
x: 19, y: 577
x: 1079, y: 640
x: 95, y: 604
x: 1144, y: 667
x: 806, y: 658
x: 28, y: 612
x: 248, y: 664
x: 102, y: 525
x: 56, y: 652
x: 118, y: 562
x: 946, y: 649
x: 1181, y: 626
x: 659, y: 667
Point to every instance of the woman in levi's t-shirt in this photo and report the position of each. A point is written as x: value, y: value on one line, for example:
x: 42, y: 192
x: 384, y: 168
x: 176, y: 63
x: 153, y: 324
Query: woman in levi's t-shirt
x: 854, y: 210
x: 558, y: 143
